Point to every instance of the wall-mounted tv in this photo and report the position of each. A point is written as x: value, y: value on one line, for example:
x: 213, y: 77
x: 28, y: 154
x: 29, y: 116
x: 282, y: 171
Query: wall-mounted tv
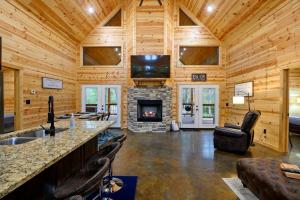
x: 150, y: 66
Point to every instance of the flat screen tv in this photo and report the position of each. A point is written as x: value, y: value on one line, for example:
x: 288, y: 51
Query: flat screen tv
x: 150, y: 66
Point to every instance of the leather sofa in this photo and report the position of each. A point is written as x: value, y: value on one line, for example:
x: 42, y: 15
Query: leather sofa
x: 234, y: 138
x: 294, y: 124
x: 9, y: 123
x: 264, y: 178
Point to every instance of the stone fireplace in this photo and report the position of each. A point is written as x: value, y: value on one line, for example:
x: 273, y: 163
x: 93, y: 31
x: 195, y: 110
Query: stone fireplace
x: 149, y: 109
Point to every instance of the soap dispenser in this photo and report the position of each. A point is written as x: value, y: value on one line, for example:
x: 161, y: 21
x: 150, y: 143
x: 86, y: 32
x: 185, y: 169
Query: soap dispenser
x: 72, y: 121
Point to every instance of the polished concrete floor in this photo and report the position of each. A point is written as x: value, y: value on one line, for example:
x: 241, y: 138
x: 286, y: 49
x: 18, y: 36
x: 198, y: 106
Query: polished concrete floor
x: 182, y: 165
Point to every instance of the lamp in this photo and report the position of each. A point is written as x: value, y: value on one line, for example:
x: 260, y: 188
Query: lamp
x: 241, y: 99
x: 238, y: 100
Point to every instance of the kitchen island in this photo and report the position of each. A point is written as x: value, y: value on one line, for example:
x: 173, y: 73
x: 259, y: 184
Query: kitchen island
x: 48, y: 160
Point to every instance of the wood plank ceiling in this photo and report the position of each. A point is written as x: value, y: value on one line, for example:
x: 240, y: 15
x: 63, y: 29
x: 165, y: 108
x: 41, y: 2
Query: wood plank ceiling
x: 227, y: 14
x: 71, y: 17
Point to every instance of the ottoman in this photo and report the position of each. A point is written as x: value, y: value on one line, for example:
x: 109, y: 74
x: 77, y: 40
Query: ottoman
x: 264, y: 178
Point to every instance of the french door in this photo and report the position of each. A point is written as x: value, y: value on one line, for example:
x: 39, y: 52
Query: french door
x: 198, y: 106
x: 103, y: 98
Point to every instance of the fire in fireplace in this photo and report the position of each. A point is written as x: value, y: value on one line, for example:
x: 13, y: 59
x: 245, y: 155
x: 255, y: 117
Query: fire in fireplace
x: 149, y: 111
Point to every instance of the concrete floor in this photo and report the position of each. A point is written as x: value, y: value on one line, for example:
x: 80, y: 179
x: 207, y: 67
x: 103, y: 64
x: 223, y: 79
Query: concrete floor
x: 182, y: 165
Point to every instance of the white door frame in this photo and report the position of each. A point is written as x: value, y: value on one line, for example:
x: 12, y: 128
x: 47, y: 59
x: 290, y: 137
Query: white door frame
x: 198, y: 102
x: 101, y: 99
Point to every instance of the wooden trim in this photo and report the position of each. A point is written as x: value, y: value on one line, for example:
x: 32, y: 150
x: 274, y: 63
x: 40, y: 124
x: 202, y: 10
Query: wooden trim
x: 284, y: 110
x: 19, y: 111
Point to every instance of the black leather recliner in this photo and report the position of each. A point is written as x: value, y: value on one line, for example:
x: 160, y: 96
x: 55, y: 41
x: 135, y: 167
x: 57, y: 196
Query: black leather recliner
x: 234, y: 138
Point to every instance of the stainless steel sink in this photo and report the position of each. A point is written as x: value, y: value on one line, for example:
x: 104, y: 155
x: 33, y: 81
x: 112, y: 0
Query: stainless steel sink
x: 16, y: 140
x: 41, y: 133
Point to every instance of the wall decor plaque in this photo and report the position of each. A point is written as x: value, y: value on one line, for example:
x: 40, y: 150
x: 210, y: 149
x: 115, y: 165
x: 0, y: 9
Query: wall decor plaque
x: 50, y: 83
x: 199, y: 77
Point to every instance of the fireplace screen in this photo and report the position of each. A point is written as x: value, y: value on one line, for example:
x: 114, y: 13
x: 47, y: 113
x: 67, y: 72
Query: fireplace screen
x: 149, y: 111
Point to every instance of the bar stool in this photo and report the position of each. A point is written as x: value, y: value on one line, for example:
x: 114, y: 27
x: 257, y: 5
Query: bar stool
x: 86, y: 181
x: 76, y: 197
x: 113, y: 181
x: 110, y: 152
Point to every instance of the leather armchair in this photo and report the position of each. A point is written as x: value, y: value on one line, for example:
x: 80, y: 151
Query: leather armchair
x: 235, y: 138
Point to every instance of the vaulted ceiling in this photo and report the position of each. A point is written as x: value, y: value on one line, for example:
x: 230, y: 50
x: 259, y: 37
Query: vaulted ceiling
x: 227, y: 14
x: 71, y: 17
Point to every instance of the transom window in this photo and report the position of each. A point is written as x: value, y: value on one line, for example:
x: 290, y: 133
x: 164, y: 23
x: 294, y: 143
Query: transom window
x: 93, y: 56
x: 199, y: 55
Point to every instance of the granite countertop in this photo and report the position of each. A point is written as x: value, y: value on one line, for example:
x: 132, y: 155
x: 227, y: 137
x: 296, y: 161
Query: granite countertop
x: 20, y: 163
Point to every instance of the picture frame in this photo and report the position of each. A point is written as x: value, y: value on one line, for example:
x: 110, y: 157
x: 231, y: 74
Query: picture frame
x: 50, y: 83
x: 242, y: 89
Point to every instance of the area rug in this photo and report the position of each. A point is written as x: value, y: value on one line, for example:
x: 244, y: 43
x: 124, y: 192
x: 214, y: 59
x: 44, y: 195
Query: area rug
x: 126, y: 193
x: 237, y: 187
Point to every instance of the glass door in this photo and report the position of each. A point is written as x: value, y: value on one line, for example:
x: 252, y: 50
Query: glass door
x: 90, y: 99
x: 111, y: 103
x: 103, y: 98
x: 188, y: 106
x: 209, y: 107
x: 198, y: 106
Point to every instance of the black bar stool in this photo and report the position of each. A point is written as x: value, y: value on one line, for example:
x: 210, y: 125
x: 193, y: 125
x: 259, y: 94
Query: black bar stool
x: 115, y: 184
x: 86, y: 181
x: 76, y: 197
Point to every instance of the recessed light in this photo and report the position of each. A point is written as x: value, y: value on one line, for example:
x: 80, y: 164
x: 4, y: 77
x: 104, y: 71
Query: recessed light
x: 90, y: 10
x: 210, y: 8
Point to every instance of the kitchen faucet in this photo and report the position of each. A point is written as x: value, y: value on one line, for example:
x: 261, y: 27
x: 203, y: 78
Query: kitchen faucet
x: 51, y: 115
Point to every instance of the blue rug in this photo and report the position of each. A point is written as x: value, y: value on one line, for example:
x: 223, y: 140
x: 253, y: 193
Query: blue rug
x: 126, y: 193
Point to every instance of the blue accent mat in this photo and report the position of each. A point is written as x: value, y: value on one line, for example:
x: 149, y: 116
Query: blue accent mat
x: 126, y: 193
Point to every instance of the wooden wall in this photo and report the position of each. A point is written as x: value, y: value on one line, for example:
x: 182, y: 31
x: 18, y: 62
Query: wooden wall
x: 38, y: 50
x: 9, y: 90
x: 193, y: 36
x: 111, y: 75
x: 266, y: 42
x: 150, y: 28
x: 294, y: 92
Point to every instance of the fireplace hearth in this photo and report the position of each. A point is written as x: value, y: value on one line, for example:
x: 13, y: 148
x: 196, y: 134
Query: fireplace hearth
x: 149, y: 111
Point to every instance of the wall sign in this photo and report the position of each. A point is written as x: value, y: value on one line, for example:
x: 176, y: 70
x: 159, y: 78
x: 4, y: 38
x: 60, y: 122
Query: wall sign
x: 199, y: 77
x: 50, y: 83
x: 243, y: 89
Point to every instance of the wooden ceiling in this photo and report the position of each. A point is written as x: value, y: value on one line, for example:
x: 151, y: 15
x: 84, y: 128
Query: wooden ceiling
x: 227, y: 14
x: 71, y: 17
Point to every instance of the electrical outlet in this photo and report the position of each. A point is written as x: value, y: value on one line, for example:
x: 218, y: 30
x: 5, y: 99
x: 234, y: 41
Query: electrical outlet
x: 265, y: 131
x: 33, y: 92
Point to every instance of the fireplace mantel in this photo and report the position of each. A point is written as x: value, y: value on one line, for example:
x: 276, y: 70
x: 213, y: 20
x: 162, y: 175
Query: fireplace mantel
x: 149, y: 81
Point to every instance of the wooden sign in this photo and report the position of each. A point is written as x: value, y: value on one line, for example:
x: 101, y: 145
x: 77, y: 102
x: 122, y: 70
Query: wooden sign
x: 199, y: 77
x: 50, y: 83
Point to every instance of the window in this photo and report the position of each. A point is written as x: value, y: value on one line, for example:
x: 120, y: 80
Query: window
x: 93, y: 56
x: 185, y: 20
x: 116, y: 20
x: 199, y: 55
